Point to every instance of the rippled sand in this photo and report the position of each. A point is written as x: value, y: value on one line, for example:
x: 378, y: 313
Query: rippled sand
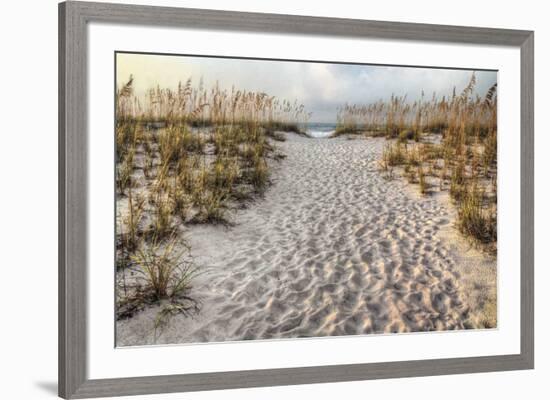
x: 332, y: 249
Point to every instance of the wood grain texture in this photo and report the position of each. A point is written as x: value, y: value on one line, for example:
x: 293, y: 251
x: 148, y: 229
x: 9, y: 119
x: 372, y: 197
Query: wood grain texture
x: 73, y: 20
x: 294, y: 24
x: 72, y: 201
x: 295, y: 376
x: 528, y: 200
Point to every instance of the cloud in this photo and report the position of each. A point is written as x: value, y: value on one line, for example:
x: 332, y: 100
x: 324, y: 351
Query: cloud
x: 322, y: 88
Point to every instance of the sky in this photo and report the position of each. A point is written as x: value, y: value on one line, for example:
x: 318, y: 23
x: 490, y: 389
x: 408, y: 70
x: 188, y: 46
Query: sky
x: 321, y: 87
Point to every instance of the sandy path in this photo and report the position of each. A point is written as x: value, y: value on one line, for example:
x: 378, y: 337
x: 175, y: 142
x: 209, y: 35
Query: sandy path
x: 332, y: 249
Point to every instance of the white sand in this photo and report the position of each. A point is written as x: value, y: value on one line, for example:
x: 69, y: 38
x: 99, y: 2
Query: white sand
x: 332, y: 249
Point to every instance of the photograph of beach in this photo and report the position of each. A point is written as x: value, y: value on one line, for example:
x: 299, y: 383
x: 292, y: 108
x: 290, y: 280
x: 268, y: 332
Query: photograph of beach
x: 264, y: 199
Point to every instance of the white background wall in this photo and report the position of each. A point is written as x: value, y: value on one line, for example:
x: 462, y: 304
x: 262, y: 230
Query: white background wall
x: 28, y: 198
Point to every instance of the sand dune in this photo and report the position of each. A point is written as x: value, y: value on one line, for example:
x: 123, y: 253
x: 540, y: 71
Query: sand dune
x: 332, y: 249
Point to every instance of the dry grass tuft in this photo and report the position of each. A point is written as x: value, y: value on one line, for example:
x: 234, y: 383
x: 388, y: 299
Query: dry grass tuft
x: 164, y: 271
x: 474, y: 220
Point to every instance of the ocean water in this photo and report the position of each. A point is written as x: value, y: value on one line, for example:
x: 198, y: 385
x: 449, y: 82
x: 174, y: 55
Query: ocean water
x: 320, y: 130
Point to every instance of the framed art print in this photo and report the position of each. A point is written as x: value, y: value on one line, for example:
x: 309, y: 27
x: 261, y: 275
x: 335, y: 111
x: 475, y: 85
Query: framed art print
x: 285, y: 199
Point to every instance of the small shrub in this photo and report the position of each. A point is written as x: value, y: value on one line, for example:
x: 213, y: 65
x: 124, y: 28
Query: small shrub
x: 224, y: 173
x: 161, y: 226
x: 473, y: 220
x: 130, y: 231
x: 166, y: 268
x: 413, y: 157
x: 124, y: 172
x: 394, y: 154
x: 211, y: 208
x: 259, y: 174
x: 489, y: 156
x: 422, y: 181
x: 181, y: 202
x: 410, y: 174
x: 457, y: 189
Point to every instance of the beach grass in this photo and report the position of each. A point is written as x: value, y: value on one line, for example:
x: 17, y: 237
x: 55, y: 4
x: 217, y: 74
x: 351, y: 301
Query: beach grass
x: 455, y: 135
x: 187, y: 156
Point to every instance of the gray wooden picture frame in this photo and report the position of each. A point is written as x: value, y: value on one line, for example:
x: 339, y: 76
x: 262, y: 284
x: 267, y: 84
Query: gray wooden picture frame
x: 73, y: 172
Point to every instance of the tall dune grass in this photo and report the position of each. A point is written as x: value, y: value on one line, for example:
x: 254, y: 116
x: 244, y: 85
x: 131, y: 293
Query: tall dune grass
x: 474, y: 115
x: 193, y: 153
x: 199, y: 106
x: 447, y: 142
